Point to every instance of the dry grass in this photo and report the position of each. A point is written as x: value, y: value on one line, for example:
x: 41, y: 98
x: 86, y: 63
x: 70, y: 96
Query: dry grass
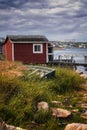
x: 13, y: 69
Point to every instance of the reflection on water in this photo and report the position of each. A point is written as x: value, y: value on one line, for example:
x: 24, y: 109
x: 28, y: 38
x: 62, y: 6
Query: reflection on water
x: 78, y: 56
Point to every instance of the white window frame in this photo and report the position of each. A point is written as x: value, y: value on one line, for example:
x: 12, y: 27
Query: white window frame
x: 41, y: 48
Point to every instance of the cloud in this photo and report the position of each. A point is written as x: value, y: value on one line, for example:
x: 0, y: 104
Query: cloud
x: 54, y: 18
x: 7, y: 4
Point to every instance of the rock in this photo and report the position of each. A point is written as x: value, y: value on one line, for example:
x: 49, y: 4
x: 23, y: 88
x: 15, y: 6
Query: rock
x: 10, y: 127
x: 18, y: 128
x: 76, y: 126
x: 4, y: 126
x: 43, y: 105
x: 75, y: 110
x: 79, y: 72
x: 56, y: 102
x: 84, y: 75
x: 70, y: 106
x: 60, y: 113
x: 84, y: 115
x: 84, y: 106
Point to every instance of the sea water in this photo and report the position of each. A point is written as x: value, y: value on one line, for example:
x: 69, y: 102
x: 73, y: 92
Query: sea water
x: 77, y: 54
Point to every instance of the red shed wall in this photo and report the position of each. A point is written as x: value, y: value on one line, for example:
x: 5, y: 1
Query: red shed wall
x: 8, y: 50
x: 24, y: 53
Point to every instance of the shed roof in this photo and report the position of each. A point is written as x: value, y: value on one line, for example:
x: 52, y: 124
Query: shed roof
x: 27, y: 38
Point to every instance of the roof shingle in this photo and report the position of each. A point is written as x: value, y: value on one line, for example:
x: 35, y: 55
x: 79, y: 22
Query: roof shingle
x: 27, y: 38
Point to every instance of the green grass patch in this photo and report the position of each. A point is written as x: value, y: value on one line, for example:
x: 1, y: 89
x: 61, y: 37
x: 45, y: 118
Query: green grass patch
x: 20, y: 95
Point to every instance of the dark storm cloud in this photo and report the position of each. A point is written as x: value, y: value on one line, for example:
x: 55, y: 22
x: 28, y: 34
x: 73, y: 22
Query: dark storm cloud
x: 5, y: 4
x: 55, y: 18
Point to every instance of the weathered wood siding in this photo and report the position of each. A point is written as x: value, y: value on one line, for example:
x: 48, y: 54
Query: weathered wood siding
x: 7, y: 48
x: 24, y: 52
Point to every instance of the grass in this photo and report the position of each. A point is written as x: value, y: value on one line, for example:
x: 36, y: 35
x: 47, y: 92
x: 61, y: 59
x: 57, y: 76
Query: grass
x: 2, y: 57
x: 21, y: 93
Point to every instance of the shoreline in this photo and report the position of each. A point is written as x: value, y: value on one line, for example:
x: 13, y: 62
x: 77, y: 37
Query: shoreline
x: 58, y: 48
x: 81, y: 74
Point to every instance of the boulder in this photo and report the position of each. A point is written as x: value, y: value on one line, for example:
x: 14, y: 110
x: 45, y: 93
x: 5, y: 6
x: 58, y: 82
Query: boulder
x: 10, y: 127
x: 75, y: 111
x: 18, y: 128
x: 60, y: 113
x: 4, y: 126
x: 76, y: 126
x: 79, y: 72
x: 43, y: 105
x: 84, y: 75
x: 84, y: 115
x: 84, y: 106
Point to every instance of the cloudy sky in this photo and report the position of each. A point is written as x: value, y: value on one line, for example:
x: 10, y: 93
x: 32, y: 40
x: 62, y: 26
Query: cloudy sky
x: 56, y: 19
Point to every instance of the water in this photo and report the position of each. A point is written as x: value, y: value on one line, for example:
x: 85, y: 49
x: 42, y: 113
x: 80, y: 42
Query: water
x: 77, y: 53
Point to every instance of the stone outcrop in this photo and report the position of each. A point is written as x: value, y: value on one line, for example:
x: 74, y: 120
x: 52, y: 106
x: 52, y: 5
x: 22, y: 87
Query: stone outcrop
x: 84, y: 75
x: 75, y: 111
x: 4, y: 126
x: 76, y: 126
x: 42, y: 105
x: 84, y: 115
x: 60, y: 113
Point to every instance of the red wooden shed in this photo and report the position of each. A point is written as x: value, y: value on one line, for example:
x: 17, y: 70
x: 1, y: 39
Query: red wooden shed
x: 28, y: 49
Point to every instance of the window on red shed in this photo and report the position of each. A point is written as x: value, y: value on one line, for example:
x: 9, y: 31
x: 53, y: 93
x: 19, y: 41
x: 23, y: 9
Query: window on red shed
x: 37, y: 48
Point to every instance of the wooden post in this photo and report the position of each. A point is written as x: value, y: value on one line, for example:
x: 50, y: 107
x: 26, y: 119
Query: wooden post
x: 85, y: 59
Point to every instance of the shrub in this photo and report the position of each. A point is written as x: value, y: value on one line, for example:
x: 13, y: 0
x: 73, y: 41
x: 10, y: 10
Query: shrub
x: 53, y: 124
x: 42, y: 116
x: 66, y: 81
x: 7, y: 115
x: 9, y: 88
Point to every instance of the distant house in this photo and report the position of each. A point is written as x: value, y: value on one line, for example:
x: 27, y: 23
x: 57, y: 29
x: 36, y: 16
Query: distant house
x: 28, y: 48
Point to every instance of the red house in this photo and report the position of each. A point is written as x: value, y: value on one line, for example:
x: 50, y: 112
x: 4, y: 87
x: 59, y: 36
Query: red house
x: 28, y: 49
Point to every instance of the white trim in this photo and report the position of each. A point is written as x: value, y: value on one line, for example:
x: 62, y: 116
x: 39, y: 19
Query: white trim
x: 41, y: 47
x: 34, y: 42
x: 47, y: 53
x: 12, y: 52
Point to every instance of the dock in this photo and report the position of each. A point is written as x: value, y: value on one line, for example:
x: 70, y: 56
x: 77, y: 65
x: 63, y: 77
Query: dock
x: 66, y: 63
